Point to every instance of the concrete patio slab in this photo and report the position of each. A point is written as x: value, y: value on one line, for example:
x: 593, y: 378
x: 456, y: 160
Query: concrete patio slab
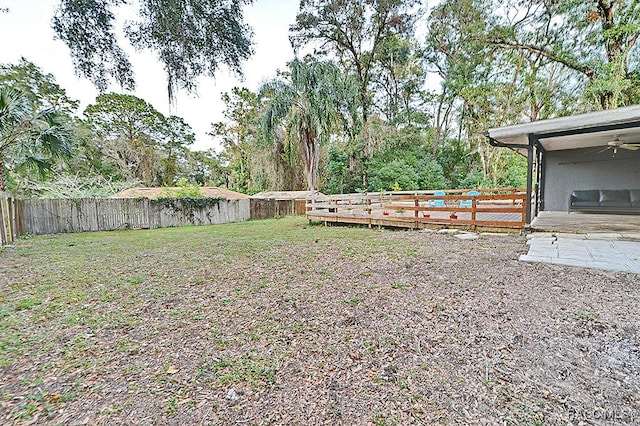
x: 564, y: 235
x: 542, y: 241
x: 603, y: 236
x: 606, y: 251
x: 540, y: 235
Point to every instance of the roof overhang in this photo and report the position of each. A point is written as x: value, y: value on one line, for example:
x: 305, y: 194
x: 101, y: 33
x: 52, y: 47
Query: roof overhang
x: 577, y: 131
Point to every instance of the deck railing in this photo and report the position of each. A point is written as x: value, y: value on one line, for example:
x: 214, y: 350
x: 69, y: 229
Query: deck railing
x: 491, y: 208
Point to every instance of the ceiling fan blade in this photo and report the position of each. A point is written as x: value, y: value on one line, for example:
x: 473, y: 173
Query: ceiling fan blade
x: 631, y: 146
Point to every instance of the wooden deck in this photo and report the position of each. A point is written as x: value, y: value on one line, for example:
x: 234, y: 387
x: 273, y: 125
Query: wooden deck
x: 583, y: 223
x: 494, y: 209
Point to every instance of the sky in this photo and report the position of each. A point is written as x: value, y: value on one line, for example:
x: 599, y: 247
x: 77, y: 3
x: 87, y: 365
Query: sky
x: 26, y: 32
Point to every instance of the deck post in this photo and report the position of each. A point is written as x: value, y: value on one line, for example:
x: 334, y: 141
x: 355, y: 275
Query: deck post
x: 473, y: 211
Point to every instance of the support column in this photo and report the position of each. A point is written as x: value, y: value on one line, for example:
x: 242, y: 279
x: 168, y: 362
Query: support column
x: 540, y: 181
x: 530, y: 160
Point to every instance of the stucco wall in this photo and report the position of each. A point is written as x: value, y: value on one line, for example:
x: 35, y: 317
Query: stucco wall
x: 588, y: 169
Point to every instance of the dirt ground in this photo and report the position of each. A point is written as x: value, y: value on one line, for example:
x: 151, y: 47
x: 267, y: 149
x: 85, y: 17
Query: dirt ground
x: 311, y: 325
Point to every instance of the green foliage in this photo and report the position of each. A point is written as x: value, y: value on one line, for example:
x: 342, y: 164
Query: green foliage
x: 353, y: 33
x: 400, y: 175
x: 30, y: 139
x: 184, y: 190
x: 307, y: 105
x: 596, y: 43
x: 392, y: 176
x: 431, y: 175
x: 475, y: 179
x: 46, y: 135
x: 251, y: 163
x: 398, y: 80
x: 455, y: 159
x: 136, y: 141
x: 115, y: 115
x: 192, y: 38
x: 337, y: 172
x: 204, y: 168
x: 515, y: 176
x: 185, y: 204
x: 400, y: 159
x: 512, y: 173
x: 360, y: 121
x: 41, y: 89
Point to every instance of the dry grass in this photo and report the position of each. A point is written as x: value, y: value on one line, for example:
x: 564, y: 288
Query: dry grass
x: 278, y: 322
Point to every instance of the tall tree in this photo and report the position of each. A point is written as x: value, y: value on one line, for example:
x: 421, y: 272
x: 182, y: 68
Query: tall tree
x: 454, y: 53
x: 173, y: 144
x: 40, y: 88
x: 136, y: 137
x: 596, y: 39
x: 205, y: 168
x: 252, y: 165
x: 399, y: 79
x: 352, y: 32
x: 191, y: 37
x: 30, y: 138
x: 42, y: 92
x: 306, y: 104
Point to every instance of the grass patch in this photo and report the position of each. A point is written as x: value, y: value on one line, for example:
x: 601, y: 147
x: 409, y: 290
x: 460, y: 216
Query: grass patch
x: 150, y: 325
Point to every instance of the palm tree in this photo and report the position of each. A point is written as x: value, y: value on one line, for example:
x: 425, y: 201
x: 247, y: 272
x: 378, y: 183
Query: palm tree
x: 307, y: 105
x: 28, y: 137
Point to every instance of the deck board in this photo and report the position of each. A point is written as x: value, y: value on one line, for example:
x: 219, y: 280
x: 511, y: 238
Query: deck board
x: 585, y: 222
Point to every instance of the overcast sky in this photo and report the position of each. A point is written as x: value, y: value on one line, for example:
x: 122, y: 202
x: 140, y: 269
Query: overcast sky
x: 26, y: 32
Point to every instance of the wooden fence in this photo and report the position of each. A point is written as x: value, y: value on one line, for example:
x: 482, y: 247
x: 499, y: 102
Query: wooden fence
x: 491, y: 208
x: 54, y: 216
x: 270, y: 208
x: 8, y: 225
x: 42, y: 216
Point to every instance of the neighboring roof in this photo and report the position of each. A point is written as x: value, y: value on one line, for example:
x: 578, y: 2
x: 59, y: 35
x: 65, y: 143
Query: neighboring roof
x: 576, y: 131
x: 285, y: 195
x: 152, y: 193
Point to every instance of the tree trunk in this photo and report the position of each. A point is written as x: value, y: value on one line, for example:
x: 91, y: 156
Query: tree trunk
x: 614, y: 47
x: 310, y: 147
x: 3, y: 174
x: 312, y: 173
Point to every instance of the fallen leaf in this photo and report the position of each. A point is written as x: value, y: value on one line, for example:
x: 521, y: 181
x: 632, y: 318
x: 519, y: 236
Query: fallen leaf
x: 172, y: 370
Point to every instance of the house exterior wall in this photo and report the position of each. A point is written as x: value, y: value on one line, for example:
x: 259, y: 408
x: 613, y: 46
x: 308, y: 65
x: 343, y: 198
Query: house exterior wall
x: 568, y: 170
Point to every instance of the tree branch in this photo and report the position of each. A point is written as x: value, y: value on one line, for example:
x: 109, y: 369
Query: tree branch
x: 586, y: 70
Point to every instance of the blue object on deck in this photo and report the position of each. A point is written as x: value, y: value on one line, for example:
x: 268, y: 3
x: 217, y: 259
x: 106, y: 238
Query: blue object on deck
x: 437, y: 203
x: 467, y: 203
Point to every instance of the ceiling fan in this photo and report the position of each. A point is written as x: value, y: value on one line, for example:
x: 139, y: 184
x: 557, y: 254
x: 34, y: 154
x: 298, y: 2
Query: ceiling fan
x: 616, y: 144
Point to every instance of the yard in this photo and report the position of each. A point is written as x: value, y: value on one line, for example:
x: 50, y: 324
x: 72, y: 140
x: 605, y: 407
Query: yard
x: 281, y: 322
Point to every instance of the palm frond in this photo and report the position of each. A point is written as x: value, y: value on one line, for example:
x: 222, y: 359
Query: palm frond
x: 308, y: 103
x: 31, y: 139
